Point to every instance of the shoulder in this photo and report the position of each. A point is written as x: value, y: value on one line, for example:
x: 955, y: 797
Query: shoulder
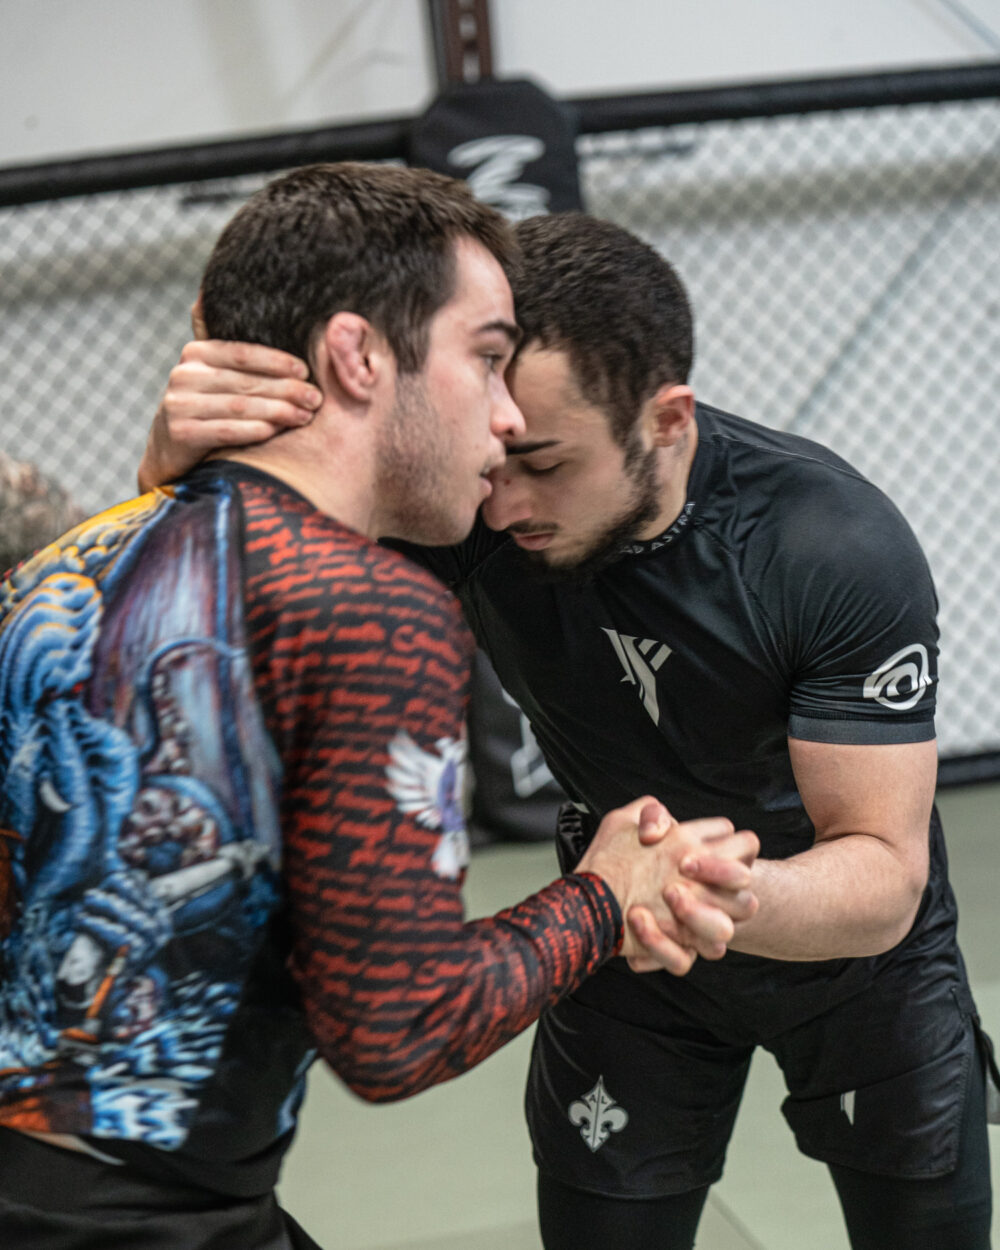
x: 293, y: 549
x: 790, y: 500
x: 327, y: 603
x: 762, y: 458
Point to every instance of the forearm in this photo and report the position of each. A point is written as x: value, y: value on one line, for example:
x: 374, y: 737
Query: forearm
x: 845, y: 897
x: 433, y: 997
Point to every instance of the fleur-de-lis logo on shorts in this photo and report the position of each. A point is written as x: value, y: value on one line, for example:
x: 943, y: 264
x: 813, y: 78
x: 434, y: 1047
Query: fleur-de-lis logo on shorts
x: 598, y: 1116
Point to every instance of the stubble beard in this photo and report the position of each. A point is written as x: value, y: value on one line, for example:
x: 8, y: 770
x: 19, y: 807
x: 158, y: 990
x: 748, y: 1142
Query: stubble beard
x: 606, y: 547
x: 409, y: 467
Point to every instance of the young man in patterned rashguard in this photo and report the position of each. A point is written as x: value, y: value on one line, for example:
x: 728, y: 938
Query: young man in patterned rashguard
x: 682, y: 601
x: 231, y: 752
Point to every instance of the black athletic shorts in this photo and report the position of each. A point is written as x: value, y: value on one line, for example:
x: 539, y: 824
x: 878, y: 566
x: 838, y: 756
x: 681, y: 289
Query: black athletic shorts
x: 635, y: 1079
x: 56, y: 1199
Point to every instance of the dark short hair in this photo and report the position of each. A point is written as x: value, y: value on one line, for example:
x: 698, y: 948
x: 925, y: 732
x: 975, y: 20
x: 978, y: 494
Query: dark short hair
x: 612, y: 303
x: 376, y: 240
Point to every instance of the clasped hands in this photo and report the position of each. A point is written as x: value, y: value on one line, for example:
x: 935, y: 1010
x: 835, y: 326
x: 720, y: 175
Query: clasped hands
x: 682, y: 886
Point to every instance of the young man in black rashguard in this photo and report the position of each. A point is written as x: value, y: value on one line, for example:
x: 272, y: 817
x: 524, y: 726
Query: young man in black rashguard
x: 684, y: 601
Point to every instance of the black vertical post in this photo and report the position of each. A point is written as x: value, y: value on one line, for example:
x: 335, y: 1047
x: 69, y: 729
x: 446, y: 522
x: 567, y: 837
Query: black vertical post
x: 463, y: 47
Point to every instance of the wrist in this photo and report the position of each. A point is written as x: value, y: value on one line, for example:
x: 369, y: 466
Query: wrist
x: 605, y: 906
x: 610, y: 870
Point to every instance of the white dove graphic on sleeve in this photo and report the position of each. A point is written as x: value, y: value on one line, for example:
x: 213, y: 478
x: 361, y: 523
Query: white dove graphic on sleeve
x: 428, y: 784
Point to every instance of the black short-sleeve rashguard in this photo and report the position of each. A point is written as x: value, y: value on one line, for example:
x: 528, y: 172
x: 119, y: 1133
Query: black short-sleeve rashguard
x: 790, y: 598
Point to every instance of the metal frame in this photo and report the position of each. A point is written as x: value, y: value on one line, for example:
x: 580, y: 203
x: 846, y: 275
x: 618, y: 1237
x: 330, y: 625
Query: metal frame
x: 388, y: 139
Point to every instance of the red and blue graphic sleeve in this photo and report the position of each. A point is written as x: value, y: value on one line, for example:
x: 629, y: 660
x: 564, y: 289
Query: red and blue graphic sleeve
x: 361, y: 661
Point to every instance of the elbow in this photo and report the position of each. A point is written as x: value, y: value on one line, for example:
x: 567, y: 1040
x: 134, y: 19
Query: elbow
x: 385, y: 1079
x: 900, y: 920
x: 377, y: 1095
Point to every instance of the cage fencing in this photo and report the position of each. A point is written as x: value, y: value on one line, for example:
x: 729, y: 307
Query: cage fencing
x: 842, y: 251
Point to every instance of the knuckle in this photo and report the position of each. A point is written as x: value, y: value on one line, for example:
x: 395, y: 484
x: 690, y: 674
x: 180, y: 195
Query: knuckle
x: 184, y: 375
x: 240, y: 353
x: 172, y: 403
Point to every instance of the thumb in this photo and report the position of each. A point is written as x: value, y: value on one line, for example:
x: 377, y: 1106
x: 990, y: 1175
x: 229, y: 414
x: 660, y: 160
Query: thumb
x: 654, y: 821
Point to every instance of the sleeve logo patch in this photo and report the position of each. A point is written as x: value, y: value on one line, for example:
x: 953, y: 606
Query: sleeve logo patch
x: 900, y: 681
x: 428, y: 786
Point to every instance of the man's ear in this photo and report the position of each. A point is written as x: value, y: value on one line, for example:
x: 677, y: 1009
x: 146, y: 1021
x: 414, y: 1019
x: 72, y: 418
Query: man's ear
x: 670, y: 413
x: 198, y: 319
x: 352, y: 355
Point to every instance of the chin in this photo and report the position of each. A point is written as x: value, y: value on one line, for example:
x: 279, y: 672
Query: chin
x: 581, y: 565
x: 443, y: 531
x: 549, y: 567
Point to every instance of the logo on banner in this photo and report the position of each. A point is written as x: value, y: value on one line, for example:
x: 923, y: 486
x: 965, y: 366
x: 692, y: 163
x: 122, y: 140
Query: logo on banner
x: 496, y: 163
x: 641, y: 659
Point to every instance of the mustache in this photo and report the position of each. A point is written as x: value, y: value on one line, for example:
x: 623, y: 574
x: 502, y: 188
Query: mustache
x: 527, y: 528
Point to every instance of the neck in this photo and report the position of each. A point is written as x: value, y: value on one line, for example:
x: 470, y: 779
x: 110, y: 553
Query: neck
x: 331, y: 469
x: 675, y: 472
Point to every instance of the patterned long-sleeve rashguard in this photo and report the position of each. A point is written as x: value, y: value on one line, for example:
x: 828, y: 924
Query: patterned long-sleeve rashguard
x: 361, y: 661
x: 231, y: 750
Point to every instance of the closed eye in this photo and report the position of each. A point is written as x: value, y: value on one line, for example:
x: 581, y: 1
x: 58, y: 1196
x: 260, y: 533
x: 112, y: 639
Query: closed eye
x: 534, y: 471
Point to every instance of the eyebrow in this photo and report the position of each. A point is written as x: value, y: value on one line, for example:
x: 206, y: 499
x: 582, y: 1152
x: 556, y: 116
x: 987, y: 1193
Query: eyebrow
x: 525, y: 449
x: 507, y: 328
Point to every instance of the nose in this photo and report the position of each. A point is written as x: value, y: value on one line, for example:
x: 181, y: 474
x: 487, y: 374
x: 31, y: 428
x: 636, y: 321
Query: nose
x: 506, y: 421
x: 509, y: 502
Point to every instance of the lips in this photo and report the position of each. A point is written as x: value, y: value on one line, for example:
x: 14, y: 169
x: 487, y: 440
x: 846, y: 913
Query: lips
x: 532, y: 542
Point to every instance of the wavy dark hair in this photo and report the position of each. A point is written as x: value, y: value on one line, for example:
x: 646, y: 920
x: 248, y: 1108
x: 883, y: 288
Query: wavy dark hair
x: 612, y: 303
x: 377, y: 240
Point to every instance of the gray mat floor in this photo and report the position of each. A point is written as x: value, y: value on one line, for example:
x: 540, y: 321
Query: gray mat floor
x: 451, y: 1168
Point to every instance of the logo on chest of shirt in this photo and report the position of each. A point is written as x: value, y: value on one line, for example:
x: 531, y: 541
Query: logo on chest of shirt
x: 641, y: 659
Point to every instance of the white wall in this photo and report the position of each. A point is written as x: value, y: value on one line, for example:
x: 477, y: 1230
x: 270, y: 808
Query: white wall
x: 80, y: 76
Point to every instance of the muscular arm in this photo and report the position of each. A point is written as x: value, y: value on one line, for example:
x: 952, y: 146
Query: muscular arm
x: 855, y: 892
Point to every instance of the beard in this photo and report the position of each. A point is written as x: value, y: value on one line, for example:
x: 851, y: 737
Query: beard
x: 607, y: 544
x: 411, y: 461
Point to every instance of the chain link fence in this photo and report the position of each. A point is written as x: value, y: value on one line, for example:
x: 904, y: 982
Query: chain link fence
x: 844, y: 267
x: 845, y: 273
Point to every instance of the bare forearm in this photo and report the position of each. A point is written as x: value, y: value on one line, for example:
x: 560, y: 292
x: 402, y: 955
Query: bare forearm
x: 843, y: 898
